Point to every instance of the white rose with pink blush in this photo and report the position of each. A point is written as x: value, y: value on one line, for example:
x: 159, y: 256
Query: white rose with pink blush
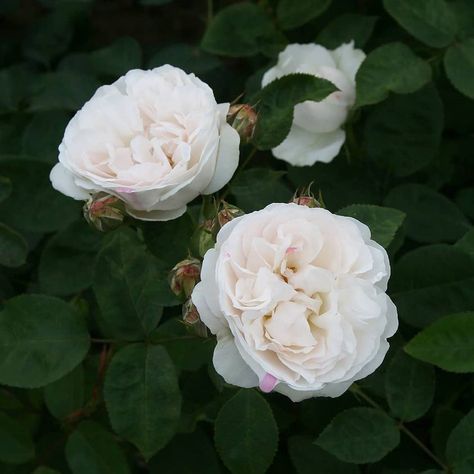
x: 155, y: 139
x: 297, y: 299
x: 316, y: 133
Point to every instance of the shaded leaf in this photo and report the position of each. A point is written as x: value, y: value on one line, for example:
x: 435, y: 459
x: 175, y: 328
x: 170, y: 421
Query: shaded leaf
x: 92, y: 450
x: 277, y: 101
x: 431, y: 21
x: 142, y: 396
x: 360, y: 435
x: 41, y: 340
x: 392, y: 67
x: 13, y: 247
x: 16, y: 444
x: 246, y: 434
x: 291, y: 14
x: 431, y: 217
x: 410, y: 386
x: 447, y: 343
x: 459, y: 65
x: 383, y: 222
x: 422, y: 275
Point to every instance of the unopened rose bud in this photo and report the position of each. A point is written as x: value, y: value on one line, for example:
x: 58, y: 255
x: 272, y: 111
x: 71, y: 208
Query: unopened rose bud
x: 204, y: 236
x: 305, y: 197
x: 104, y: 212
x: 192, y: 319
x: 243, y: 118
x: 184, y: 276
x: 227, y: 213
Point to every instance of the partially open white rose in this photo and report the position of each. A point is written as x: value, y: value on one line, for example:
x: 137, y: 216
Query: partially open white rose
x: 156, y: 139
x: 296, y: 297
x: 316, y: 133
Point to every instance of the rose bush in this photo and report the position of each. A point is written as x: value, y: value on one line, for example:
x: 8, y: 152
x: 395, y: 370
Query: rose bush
x: 156, y: 139
x: 296, y: 297
x: 155, y: 328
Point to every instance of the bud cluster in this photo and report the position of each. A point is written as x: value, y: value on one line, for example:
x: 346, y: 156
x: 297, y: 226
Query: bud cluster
x: 243, y: 118
x: 104, y: 212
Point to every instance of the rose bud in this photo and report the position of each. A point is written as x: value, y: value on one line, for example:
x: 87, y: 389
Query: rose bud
x: 317, y: 132
x: 192, y: 320
x: 157, y: 139
x: 296, y: 297
x: 305, y: 197
x: 104, y: 212
x: 243, y: 118
x: 227, y: 213
x: 204, y: 236
x: 184, y: 276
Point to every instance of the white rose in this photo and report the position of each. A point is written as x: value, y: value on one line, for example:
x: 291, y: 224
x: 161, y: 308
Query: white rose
x: 296, y: 297
x: 156, y: 139
x: 316, y: 133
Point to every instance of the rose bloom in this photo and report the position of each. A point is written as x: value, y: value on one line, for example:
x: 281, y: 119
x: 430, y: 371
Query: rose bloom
x: 316, y: 133
x: 296, y: 298
x: 156, y: 139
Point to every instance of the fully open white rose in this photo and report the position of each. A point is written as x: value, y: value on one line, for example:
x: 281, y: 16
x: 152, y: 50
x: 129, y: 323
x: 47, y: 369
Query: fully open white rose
x: 296, y: 297
x: 316, y: 133
x: 156, y: 139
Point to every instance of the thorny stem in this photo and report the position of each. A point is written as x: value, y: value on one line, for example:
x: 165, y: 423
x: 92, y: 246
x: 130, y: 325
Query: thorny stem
x: 357, y: 391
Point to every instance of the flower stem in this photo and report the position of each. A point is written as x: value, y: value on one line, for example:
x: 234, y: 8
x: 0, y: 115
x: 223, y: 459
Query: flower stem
x: 357, y: 391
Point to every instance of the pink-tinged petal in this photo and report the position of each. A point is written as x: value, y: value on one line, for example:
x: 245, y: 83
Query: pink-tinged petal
x: 268, y: 383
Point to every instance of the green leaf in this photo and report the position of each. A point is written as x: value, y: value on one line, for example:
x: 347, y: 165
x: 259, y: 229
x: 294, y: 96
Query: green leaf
x: 187, y: 353
x: 15, y: 83
x: 43, y: 134
x: 390, y: 68
x: 34, y: 205
x: 241, y: 30
x: 41, y: 340
x: 466, y: 243
x: 255, y: 188
x: 246, y: 434
x: 383, y: 222
x: 62, y: 90
x: 459, y: 448
x: 404, y: 133
x: 307, y: 458
x: 291, y: 14
x: 459, y: 65
x: 158, y: 235
x: 16, y: 445
x: 445, y: 419
x: 431, y: 21
x: 154, y: 2
x: 66, y: 395
x: 447, y: 343
x: 360, y: 435
x: 142, y: 396
x: 410, y: 387
x: 112, y: 61
x: 465, y: 201
x: 45, y: 470
x: 417, y: 282
x: 125, y: 284
x: 92, y: 450
x: 200, y: 456
x: 189, y: 58
x: 13, y: 247
x: 346, y: 28
x: 5, y: 188
x: 49, y: 37
x: 341, y: 184
x: 464, y: 11
x: 431, y: 217
x: 277, y: 101
x: 67, y: 262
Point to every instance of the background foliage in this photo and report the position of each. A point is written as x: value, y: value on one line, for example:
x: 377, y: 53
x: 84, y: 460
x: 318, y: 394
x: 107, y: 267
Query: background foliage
x: 99, y: 376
